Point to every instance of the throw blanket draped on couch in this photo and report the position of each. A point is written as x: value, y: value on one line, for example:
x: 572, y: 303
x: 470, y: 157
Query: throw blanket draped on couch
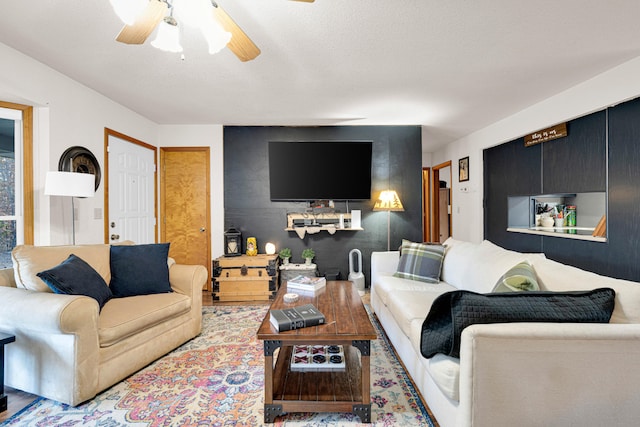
x: 453, y: 311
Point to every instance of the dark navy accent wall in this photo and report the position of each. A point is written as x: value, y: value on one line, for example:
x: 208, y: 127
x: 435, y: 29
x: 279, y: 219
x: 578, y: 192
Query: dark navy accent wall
x: 602, y: 151
x: 396, y: 164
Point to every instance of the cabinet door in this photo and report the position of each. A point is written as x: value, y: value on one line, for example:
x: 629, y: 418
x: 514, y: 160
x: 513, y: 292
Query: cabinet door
x: 577, y: 162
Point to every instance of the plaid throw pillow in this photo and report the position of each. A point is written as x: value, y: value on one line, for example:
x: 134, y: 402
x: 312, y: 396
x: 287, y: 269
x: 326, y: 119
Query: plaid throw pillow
x: 420, y: 261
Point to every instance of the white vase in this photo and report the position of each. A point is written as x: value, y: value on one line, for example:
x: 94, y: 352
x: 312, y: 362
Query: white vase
x: 285, y: 261
x: 307, y: 261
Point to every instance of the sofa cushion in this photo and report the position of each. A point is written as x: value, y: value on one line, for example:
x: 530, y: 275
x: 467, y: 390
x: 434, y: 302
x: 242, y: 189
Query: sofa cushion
x: 123, y: 317
x: 520, y: 277
x: 75, y: 277
x: 139, y: 270
x: 445, y: 371
x: 420, y: 261
x: 29, y: 260
x: 454, y: 311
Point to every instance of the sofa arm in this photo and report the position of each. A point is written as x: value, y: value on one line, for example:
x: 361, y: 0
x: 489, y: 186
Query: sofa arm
x: 383, y: 262
x: 45, y: 312
x: 550, y: 374
x: 188, y: 279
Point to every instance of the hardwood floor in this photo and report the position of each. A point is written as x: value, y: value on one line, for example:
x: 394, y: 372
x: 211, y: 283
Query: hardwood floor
x: 19, y: 399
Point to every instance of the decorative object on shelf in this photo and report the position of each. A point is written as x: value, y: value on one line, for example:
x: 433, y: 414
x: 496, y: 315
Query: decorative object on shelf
x: 547, y: 221
x: 463, y: 169
x: 252, y: 246
x: 269, y: 248
x: 308, y: 254
x: 232, y: 242
x: 388, y: 201
x: 80, y: 160
x: 285, y: 254
x: 70, y: 184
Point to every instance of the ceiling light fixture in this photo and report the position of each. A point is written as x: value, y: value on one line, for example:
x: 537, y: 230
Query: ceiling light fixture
x: 192, y: 13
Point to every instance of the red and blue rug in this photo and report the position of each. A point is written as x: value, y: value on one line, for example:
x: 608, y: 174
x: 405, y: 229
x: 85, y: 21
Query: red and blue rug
x: 217, y: 379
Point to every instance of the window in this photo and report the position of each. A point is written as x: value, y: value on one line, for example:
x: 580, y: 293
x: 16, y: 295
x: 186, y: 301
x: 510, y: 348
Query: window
x: 11, y: 188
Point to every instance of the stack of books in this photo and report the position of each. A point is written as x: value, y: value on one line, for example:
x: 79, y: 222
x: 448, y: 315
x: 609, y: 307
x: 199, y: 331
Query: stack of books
x: 292, y: 318
x: 305, y: 283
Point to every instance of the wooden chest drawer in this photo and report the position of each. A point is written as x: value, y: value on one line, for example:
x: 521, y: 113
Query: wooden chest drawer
x: 245, y: 278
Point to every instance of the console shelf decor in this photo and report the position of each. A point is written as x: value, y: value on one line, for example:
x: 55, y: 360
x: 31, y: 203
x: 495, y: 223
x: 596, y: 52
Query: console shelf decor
x: 311, y: 223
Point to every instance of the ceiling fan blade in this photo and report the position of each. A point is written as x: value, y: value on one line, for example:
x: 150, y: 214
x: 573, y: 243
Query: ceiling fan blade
x: 240, y: 44
x: 144, y: 26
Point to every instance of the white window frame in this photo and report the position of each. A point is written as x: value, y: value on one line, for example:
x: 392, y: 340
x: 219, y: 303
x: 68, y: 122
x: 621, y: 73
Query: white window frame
x: 16, y: 116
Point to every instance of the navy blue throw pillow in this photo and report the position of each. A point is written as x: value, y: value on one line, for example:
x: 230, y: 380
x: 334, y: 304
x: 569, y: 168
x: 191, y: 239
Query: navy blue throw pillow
x: 139, y: 270
x: 74, y: 276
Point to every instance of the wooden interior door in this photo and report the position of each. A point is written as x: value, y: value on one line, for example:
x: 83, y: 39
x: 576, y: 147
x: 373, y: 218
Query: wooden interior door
x: 435, y: 199
x: 426, y: 217
x: 185, y: 207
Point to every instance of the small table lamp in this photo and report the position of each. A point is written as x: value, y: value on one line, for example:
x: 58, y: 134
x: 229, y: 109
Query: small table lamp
x: 70, y: 184
x: 388, y: 201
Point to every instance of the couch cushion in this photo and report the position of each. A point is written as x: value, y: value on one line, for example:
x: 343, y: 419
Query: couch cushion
x: 478, y: 267
x: 75, y: 277
x: 454, y: 311
x: 139, y: 270
x: 520, y: 277
x: 445, y: 371
x: 123, y: 317
x: 553, y: 275
x: 420, y: 261
x: 388, y: 284
x: 29, y: 260
x: 408, y: 305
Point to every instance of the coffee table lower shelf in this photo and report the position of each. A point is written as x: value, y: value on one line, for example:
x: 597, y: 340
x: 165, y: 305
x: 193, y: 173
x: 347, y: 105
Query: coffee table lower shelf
x: 318, y: 391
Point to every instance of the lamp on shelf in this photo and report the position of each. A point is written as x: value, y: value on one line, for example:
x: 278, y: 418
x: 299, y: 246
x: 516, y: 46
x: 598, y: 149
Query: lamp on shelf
x: 70, y: 184
x: 388, y: 201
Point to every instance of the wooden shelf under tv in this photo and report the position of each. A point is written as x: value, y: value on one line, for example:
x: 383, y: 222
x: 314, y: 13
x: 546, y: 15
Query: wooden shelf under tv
x: 327, y: 221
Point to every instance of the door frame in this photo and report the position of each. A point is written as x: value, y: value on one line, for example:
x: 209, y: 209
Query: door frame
x: 426, y: 202
x: 110, y: 132
x: 435, y: 205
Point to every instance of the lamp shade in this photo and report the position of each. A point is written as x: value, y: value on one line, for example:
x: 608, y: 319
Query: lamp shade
x: 168, y: 37
x: 71, y: 184
x: 388, y: 201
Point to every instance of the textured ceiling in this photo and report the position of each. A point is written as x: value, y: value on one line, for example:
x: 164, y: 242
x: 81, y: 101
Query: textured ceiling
x: 453, y: 66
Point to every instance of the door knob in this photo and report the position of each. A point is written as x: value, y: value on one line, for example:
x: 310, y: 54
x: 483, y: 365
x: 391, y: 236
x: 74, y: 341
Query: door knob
x: 202, y: 229
x: 115, y: 236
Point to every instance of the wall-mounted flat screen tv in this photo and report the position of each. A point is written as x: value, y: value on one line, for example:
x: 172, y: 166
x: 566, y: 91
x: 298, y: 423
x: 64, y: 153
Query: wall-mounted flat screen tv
x: 320, y: 170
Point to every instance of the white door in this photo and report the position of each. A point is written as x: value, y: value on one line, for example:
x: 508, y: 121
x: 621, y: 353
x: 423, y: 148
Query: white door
x: 131, y: 191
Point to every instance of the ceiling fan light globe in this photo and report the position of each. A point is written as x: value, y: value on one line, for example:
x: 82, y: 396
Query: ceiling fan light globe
x: 216, y: 37
x: 168, y: 37
x: 128, y: 10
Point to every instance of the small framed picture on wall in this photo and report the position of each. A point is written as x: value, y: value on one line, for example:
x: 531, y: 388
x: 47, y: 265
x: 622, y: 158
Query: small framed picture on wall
x: 463, y: 169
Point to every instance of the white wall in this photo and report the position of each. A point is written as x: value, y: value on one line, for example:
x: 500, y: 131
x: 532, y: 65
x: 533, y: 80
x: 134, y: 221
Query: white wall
x: 209, y: 136
x: 612, y: 87
x: 66, y: 113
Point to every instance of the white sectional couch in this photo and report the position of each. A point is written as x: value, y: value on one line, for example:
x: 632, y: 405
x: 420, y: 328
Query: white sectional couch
x: 516, y: 374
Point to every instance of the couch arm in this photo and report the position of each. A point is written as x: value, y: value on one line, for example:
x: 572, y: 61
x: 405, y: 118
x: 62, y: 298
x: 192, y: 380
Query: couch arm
x: 188, y: 279
x: 550, y: 374
x: 56, y: 352
x: 383, y: 262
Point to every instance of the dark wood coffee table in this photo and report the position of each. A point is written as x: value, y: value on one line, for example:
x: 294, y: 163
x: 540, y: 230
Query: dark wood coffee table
x: 347, y: 324
x: 4, y: 339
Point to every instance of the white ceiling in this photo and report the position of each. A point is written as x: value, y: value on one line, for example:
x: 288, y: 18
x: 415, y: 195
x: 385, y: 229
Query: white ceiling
x: 453, y: 66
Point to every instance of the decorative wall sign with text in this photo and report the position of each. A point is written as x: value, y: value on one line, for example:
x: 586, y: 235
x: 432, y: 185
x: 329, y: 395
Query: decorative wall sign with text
x: 544, y: 135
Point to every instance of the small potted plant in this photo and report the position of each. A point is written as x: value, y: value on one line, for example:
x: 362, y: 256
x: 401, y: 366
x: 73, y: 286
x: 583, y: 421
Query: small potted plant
x: 308, y: 255
x: 285, y: 254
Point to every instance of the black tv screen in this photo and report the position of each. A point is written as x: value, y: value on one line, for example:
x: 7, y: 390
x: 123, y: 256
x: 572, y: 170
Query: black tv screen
x: 325, y: 170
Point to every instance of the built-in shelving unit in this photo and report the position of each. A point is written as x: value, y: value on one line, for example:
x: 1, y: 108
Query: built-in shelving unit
x: 591, y: 208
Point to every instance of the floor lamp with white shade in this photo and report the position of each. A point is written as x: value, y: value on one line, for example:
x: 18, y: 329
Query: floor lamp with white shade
x: 388, y: 201
x: 70, y: 184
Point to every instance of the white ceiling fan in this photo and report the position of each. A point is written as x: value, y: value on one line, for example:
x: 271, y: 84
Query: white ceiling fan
x: 141, y: 18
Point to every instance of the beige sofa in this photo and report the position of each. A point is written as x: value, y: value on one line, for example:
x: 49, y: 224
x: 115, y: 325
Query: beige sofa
x: 515, y: 374
x: 66, y: 349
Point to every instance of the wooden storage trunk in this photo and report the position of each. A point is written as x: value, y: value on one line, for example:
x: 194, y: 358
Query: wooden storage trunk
x: 245, y: 278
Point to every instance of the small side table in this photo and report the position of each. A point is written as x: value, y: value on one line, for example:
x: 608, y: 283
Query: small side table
x: 4, y: 339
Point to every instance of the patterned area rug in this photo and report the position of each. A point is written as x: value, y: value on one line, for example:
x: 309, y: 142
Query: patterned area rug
x: 217, y: 379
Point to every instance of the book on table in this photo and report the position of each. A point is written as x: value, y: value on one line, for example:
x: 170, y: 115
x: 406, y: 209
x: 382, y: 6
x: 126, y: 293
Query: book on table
x: 288, y: 319
x: 306, y: 283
